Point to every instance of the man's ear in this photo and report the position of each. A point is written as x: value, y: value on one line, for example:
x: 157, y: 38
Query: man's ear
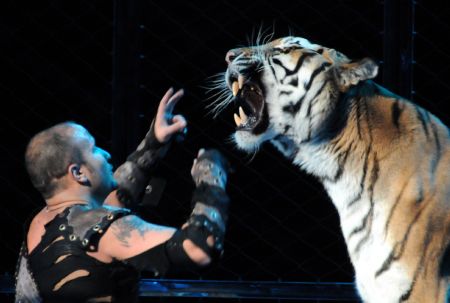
x: 77, y: 174
x: 348, y: 74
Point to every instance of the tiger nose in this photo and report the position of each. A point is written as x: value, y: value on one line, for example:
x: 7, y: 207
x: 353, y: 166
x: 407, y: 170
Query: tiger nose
x: 230, y: 56
x: 236, y: 52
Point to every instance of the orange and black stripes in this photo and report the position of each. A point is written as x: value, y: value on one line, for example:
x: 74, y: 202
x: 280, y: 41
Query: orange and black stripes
x: 297, y: 67
x: 396, y: 110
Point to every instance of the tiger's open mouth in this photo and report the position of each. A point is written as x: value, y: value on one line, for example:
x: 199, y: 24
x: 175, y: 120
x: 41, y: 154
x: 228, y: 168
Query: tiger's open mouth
x: 251, y: 114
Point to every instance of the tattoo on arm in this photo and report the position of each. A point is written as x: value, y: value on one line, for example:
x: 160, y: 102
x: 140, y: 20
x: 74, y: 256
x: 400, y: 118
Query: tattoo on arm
x: 123, y: 228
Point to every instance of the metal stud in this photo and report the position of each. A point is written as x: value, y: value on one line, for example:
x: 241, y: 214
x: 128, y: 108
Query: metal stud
x: 148, y: 189
x: 85, y: 242
x: 96, y: 227
x: 72, y: 237
x: 110, y: 217
x: 62, y: 227
x: 142, y: 162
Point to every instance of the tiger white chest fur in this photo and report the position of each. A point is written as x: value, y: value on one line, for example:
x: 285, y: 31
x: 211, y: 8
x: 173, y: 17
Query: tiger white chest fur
x: 368, y: 249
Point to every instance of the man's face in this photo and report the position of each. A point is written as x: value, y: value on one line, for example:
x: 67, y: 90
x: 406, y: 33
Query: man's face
x: 96, y: 166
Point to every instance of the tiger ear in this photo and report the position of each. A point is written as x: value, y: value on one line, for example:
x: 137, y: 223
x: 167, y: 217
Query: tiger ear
x: 349, y: 74
x: 333, y: 56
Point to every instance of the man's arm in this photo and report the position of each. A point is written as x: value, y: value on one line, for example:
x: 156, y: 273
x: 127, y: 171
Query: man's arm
x: 130, y: 236
x: 197, y: 243
x: 133, y: 176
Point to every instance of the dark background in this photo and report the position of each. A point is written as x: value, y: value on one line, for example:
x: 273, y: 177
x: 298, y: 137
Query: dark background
x: 70, y: 60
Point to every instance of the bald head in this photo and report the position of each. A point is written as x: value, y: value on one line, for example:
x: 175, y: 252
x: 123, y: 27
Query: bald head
x: 49, y: 154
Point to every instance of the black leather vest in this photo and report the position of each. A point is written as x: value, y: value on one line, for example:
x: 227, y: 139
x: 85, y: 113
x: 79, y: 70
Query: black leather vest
x: 64, y: 272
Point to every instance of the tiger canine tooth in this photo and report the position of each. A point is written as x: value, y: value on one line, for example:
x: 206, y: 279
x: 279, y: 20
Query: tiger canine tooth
x: 242, y: 115
x: 235, y: 88
x: 237, y: 120
x: 241, y: 81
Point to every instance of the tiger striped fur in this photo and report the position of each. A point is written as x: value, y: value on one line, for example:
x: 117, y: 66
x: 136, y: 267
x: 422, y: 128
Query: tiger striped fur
x: 383, y: 160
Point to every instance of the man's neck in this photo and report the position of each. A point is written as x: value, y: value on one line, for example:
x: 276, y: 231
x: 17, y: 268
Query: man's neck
x: 68, y: 197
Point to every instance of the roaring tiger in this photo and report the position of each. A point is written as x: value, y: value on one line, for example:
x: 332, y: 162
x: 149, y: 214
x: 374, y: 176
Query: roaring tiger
x: 383, y: 160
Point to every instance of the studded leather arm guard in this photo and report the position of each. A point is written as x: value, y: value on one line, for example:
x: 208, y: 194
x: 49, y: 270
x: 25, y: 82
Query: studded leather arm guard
x: 211, y: 168
x: 209, y: 202
x: 134, y: 175
x: 208, y: 218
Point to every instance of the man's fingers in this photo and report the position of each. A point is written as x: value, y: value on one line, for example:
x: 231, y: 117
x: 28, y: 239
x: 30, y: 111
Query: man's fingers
x: 163, y: 103
x: 174, y: 100
x: 179, y: 119
x: 192, y: 168
x: 178, y: 123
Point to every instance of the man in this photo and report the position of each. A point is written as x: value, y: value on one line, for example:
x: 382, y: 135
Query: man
x: 79, y: 250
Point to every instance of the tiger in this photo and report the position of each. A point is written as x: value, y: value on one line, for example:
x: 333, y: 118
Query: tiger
x: 383, y: 160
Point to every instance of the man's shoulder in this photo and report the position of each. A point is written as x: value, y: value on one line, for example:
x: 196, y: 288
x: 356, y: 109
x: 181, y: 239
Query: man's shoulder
x: 85, y: 219
x: 89, y: 213
x: 113, y: 209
